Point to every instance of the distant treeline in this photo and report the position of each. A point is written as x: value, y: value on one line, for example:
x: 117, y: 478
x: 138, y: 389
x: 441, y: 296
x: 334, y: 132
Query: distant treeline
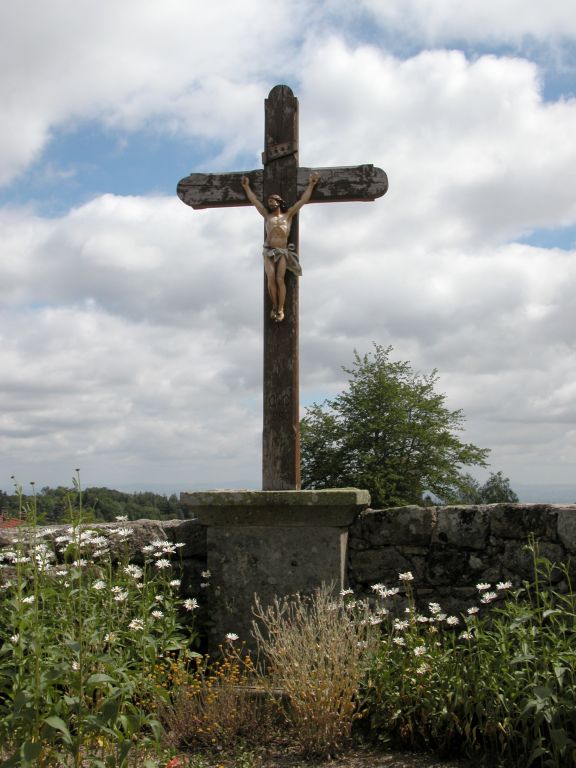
x: 54, y: 505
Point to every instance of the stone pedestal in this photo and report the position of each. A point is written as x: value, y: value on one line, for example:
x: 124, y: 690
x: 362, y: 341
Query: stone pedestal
x: 270, y: 543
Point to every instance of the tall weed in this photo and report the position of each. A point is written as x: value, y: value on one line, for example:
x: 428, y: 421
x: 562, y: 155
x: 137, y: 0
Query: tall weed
x: 315, y: 649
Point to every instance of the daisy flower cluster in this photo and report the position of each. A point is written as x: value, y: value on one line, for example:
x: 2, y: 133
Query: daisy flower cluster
x: 417, y: 632
x: 86, y: 556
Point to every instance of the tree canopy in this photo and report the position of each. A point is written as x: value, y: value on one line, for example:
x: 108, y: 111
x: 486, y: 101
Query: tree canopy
x: 495, y: 490
x: 389, y: 432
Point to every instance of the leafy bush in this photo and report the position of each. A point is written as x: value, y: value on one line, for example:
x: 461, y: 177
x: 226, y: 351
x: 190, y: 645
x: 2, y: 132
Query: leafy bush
x: 503, y: 689
x: 85, y: 644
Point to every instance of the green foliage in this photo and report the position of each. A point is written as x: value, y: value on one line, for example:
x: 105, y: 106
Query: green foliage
x: 496, y: 490
x: 100, y: 504
x: 389, y: 432
x: 83, y: 636
x: 503, y: 691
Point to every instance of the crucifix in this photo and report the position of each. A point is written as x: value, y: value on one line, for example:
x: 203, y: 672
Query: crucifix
x: 282, y: 178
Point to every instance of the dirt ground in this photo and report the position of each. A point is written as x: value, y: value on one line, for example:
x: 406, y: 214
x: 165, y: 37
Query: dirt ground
x: 356, y: 758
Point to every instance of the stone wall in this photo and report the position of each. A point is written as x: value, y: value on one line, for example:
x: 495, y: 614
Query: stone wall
x: 448, y: 549
x: 451, y: 549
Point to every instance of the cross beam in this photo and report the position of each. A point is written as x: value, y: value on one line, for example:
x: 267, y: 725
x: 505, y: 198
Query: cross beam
x: 281, y: 175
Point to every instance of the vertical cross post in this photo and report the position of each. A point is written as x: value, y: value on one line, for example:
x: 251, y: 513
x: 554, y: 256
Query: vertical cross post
x: 281, y: 416
x: 282, y: 176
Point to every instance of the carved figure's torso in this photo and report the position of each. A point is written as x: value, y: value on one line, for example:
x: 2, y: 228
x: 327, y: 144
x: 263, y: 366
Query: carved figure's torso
x: 277, y: 230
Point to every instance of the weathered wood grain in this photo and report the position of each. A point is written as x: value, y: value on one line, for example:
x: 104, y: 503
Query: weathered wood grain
x: 346, y: 183
x: 281, y: 380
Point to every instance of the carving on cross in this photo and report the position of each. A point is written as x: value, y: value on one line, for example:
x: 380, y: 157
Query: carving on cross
x: 282, y: 176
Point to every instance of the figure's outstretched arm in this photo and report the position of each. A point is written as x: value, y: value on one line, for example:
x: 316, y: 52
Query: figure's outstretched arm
x: 312, y: 181
x: 245, y: 181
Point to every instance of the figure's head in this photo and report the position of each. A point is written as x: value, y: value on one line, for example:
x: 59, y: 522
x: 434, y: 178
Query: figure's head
x: 274, y: 202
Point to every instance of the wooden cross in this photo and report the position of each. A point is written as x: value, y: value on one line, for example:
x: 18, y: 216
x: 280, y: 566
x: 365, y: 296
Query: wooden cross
x: 282, y: 176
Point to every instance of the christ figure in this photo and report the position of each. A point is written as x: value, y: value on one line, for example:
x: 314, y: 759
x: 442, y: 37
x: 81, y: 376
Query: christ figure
x: 278, y: 254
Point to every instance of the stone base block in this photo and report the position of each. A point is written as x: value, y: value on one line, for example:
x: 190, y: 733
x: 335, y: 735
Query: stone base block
x: 271, y: 544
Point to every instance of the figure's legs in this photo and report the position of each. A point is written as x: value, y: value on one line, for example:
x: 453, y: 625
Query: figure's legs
x: 270, y: 269
x: 281, y: 287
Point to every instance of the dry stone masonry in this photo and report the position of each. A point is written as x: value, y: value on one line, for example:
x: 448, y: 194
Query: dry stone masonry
x: 448, y: 549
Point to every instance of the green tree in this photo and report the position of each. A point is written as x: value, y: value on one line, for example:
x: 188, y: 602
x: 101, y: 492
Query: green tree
x: 389, y: 432
x: 494, y: 491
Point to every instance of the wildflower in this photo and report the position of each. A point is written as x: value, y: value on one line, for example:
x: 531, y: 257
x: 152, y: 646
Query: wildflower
x: 98, y: 585
x: 136, y: 624
x: 147, y: 549
x: 466, y: 636
x: 487, y: 597
x: 422, y: 669
x: 346, y: 592
x: 122, y: 533
x: 374, y: 620
x: 399, y: 641
x: 190, y: 604
x: 116, y: 590
x: 482, y: 587
x: 99, y: 541
x: 80, y: 563
x: 204, y: 585
x: 452, y: 621
x: 121, y: 597
x: 30, y: 599
x: 159, y: 598
x: 383, y: 591
x: 420, y: 650
x: 133, y: 570
x: 406, y: 576
x: 421, y: 619
x: 109, y: 637
x: 121, y: 518
x: 473, y: 609
x: 175, y: 583
x: 14, y: 639
x: 400, y: 625
x: 231, y: 637
x: 206, y: 574
x: 157, y: 614
x: 434, y: 608
x: 180, y: 544
x: 162, y: 563
x: 504, y: 585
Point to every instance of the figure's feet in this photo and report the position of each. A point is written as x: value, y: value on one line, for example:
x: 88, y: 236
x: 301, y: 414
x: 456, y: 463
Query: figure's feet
x: 273, y: 315
x: 279, y: 316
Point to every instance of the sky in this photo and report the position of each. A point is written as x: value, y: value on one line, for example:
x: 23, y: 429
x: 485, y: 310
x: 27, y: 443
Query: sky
x: 131, y: 325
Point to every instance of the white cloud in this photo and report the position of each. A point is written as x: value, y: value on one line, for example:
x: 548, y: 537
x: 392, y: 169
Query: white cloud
x: 477, y: 20
x: 131, y: 326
